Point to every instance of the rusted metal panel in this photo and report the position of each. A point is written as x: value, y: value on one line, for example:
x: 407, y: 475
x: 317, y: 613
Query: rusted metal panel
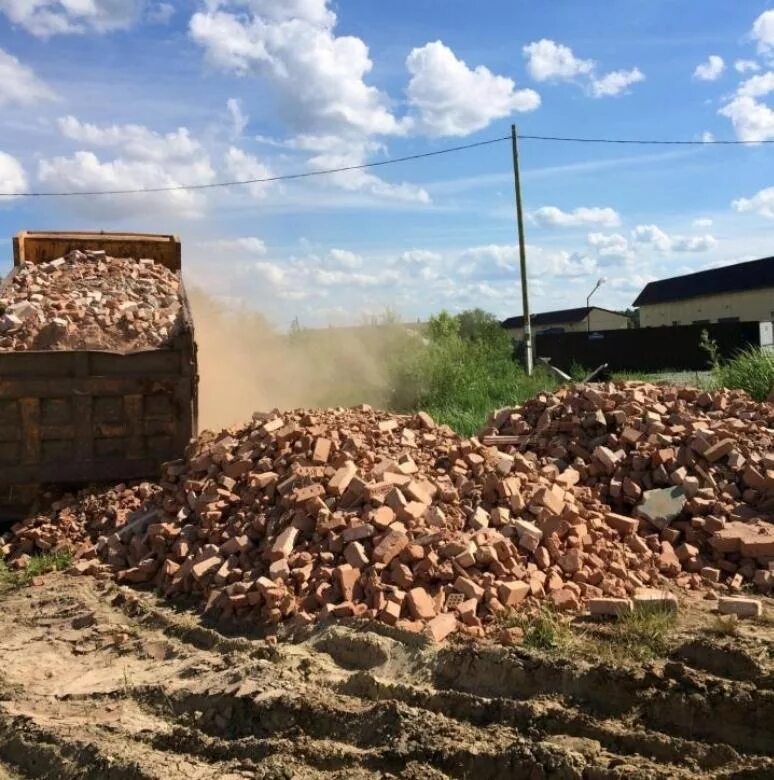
x: 115, y: 469
x: 115, y: 428
x: 94, y: 386
x: 29, y: 409
x: 133, y: 414
x: 40, y: 246
x: 84, y: 428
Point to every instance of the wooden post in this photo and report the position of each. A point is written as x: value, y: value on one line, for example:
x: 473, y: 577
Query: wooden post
x: 522, y: 253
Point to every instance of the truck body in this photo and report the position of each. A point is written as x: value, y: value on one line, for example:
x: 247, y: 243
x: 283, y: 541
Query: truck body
x: 81, y: 416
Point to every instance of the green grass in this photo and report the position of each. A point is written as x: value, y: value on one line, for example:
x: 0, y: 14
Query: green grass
x: 698, y: 379
x: 466, y: 405
x: 38, y: 565
x: 642, y: 634
x: 752, y: 370
x: 544, y: 630
x: 633, y: 376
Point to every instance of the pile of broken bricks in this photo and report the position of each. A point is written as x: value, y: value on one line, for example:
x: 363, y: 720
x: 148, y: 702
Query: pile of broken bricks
x: 589, y: 498
x: 696, y: 468
x: 75, y: 523
x: 88, y: 300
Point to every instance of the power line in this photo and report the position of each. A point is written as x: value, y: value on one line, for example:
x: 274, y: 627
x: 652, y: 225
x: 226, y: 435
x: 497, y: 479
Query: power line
x: 641, y: 141
x: 378, y: 163
x: 264, y: 180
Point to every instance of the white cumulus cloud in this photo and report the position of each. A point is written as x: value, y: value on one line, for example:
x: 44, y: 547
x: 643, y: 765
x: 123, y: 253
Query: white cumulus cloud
x: 702, y: 222
x: 418, y: 257
x: 761, y: 203
x: 85, y: 172
x: 757, y: 86
x: 746, y: 66
x: 249, y: 245
x: 488, y: 260
x: 145, y: 159
x: 498, y: 263
x: 13, y: 179
x: 652, y: 234
x: 318, y: 77
x: 548, y: 60
x: 241, y: 165
x: 693, y: 243
x: 616, y: 82
x: 663, y: 242
x: 312, y: 11
x: 45, y: 18
x: 421, y: 262
x: 271, y: 273
x: 344, y: 258
x: 558, y: 263
x: 610, y: 247
x: 753, y: 121
x: 18, y: 83
x: 451, y: 98
x: 137, y: 141
x: 711, y: 69
x: 331, y: 152
x: 763, y: 31
x: 551, y: 216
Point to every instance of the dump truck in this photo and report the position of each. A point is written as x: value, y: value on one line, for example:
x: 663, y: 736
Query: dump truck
x: 70, y: 417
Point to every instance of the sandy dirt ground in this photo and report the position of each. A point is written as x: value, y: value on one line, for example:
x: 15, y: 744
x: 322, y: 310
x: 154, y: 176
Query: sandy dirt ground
x: 99, y: 681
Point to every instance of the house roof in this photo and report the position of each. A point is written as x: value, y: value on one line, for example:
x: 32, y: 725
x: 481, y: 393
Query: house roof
x: 739, y: 277
x: 555, y: 317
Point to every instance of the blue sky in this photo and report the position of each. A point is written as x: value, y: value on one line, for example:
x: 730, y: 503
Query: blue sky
x: 105, y: 94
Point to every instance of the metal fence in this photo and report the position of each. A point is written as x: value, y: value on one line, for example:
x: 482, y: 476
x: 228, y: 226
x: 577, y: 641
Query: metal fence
x: 647, y: 349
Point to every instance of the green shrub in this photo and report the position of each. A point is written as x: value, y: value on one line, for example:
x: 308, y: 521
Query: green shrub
x: 578, y: 372
x: 710, y: 348
x: 751, y: 369
x: 462, y: 370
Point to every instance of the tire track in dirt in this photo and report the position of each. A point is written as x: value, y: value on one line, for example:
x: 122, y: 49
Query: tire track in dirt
x: 100, y: 681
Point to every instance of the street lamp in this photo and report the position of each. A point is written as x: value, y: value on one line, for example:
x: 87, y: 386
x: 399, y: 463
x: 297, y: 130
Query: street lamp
x: 599, y: 283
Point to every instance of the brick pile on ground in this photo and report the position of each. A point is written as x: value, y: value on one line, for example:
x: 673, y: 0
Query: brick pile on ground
x: 301, y: 516
x: 88, y: 300
x: 74, y: 523
x: 695, y: 468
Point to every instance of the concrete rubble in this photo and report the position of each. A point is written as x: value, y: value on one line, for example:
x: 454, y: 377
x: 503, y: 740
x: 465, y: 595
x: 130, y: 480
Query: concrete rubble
x: 88, y: 300
x: 303, y: 516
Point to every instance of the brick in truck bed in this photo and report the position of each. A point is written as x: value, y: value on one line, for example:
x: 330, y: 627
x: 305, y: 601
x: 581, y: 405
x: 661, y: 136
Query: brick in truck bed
x: 90, y: 300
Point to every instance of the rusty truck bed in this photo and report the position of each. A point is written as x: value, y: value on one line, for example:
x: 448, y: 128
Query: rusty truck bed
x: 82, y: 416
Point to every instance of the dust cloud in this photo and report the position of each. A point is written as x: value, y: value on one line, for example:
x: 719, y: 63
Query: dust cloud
x: 245, y: 366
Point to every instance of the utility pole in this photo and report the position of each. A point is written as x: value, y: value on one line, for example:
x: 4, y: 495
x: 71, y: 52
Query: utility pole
x: 522, y: 253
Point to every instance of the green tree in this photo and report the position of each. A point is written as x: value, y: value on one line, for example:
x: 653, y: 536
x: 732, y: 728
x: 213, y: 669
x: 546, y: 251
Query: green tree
x: 442, y: 326
x: 480, y: 325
